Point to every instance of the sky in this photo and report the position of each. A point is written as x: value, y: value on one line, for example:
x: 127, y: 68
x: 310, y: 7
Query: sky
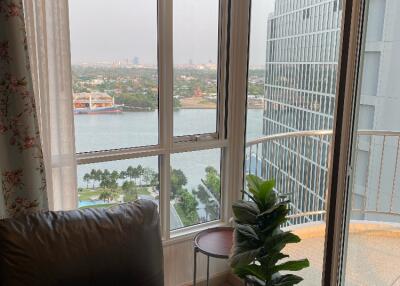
x: 125, y: 29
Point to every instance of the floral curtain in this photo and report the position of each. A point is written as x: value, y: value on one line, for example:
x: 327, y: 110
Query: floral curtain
x: 22, y: 173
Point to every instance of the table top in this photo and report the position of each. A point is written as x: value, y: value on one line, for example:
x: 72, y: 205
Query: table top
x: 216, y: 242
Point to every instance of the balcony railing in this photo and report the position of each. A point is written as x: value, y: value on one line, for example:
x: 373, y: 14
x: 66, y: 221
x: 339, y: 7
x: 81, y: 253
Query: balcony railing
x: 299, y: 163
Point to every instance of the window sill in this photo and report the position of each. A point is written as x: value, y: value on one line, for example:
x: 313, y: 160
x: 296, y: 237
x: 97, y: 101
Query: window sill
x: 188, y: 233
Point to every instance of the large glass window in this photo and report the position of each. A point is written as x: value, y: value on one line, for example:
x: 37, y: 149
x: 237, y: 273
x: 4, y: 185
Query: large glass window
x: 195, y: 187
x: 195, y: 66
x: 293, y: 63
x: 373, y: 251
x: 128, y: 142
x: 108, y: 183
x: 114, y: 73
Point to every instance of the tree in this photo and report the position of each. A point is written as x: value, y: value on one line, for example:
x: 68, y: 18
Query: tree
x: 130, y: 191
x: 178, y: 180
x: 105, y: 174
x: 211, y: 207
x: 97, y: 175
x: 139, y: 172
x: 212, y: 182
x: 114, y: 175
x: 148, y: 175
x: 109, y: 180
x: 87, y: 178
x: 188, y: 205
x: 123, y: 175
x: 132, y: 173
x: 106, y: 195
x: 93, y: 176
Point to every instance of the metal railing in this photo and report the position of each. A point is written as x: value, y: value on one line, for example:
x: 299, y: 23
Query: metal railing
x: 299, y: 163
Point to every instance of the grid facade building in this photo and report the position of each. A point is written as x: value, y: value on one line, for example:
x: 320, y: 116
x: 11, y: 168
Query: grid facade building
x: 301, y: 67
x: 300, y: 85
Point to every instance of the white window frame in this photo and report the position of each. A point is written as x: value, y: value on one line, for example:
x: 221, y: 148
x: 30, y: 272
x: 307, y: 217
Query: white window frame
x: 230, y: 129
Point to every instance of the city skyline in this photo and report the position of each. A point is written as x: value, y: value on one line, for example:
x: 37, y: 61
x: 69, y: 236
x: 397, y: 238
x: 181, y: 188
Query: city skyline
x: 94, y: 39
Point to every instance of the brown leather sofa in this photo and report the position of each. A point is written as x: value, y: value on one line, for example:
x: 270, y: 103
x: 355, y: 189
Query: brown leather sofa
x: 120, y: 245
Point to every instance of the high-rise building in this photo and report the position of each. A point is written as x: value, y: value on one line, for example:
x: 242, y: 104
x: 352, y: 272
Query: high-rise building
x: 301, y: 66
x: 300, y: 86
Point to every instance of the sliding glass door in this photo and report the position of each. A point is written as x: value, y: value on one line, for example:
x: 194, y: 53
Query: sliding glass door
x: 294, y: 55
x: 373, y: 244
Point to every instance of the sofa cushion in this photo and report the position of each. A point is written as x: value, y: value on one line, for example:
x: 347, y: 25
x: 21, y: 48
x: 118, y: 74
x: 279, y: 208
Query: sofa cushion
x: 120, y: 245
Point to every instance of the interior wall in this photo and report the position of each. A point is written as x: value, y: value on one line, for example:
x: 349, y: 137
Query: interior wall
x: 178, y: 264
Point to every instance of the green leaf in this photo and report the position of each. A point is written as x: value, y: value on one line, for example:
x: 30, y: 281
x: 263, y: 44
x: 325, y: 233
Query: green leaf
x: 278, y: 241
x: 294, y: 265
x: 253, y: 182
x: 285, y: 280
x: 272, y: 218
x: 282, y: 206
x: 273, y: 259
x: 247, y: 231
x: 241, y: 258
x: 266, y: 193
x: 245, y: 212
x: 253, y: 270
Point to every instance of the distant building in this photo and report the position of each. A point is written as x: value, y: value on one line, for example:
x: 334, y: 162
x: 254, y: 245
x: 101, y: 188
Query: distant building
x: 135, y: 60
x: 94, y: 102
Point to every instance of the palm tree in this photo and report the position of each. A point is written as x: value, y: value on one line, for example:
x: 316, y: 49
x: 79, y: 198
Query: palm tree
x: 98, y: 175
x: 130, y: 172
x: 130, y: 191
x: 123, y: 175
x: 105, y: 196
x: 93, y: 174
x: 139, y: 172
x: 87, y: 178
x: 147, y: 176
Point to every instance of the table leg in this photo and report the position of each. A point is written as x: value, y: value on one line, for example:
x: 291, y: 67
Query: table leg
x: 194, y: 266
x: 208, y: 269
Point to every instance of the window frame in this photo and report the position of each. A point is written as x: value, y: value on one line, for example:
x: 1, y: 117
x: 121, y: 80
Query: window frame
x: 168, y: 144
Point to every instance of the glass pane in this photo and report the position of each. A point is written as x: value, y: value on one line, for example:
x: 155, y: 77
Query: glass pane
x: 195, y: 188
x: 373, y: 252
x: 114, y: 73
x: 108, y: 183
x: 195, y: 66
x: 291, y: 88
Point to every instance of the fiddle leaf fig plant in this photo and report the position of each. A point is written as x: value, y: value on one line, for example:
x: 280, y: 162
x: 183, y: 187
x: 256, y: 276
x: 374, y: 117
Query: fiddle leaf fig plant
x: 258, y: 237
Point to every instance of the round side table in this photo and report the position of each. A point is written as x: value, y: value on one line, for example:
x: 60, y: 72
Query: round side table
x: 214, y: 242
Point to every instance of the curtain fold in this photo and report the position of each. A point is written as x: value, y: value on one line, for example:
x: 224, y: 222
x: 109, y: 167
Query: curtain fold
x: 22, y: 168
x: 48, y: 41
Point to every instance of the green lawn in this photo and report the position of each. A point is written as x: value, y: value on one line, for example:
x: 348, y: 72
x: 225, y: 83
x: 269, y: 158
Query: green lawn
x: 87, y: 194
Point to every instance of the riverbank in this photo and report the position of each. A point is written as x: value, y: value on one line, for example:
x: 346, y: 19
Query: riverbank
x: 202, y: 103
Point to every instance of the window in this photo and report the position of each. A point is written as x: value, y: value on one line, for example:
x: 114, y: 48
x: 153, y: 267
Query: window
x: 107, y: 183
x: 290, y: 110
x: 145, y: 126
x: 373, y: 222
x: 115, y: 74
x: 195, y: 66
x: 195, y: 187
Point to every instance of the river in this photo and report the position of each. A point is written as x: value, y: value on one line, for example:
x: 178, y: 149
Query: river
x: 132, y: 129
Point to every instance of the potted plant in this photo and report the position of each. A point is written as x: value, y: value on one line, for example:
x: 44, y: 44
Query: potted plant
x: 259, y: 239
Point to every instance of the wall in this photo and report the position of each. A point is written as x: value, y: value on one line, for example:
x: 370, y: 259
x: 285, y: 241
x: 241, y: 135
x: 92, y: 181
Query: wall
x: 178, y: 264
